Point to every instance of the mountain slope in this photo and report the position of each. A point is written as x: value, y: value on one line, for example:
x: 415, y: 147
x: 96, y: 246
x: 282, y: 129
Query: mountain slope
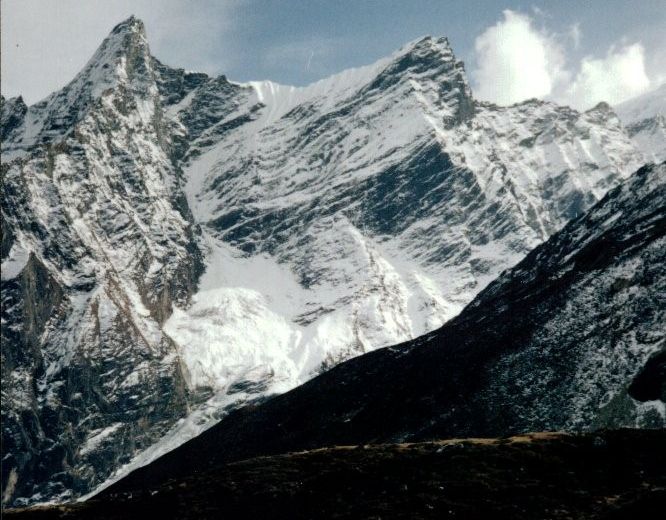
x: 645, y: 120
x: 347, y: 181
x: 551, y: 344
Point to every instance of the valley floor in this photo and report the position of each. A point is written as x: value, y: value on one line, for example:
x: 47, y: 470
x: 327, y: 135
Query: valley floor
x: 613, y: 474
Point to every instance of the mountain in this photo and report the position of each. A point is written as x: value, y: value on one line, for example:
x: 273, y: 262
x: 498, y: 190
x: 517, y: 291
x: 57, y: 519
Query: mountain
x: 645, y: 120
x: 553, y: 344
x: 345, y: 183
x: 98, y: 242
x: 176, y: 245
x: 602, y: 475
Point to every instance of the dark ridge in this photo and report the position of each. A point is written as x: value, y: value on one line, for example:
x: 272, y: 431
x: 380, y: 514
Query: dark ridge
x: 605, y: 475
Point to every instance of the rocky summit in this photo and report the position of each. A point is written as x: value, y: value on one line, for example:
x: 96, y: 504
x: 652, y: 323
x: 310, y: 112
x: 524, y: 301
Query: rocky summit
x: 176, y: 245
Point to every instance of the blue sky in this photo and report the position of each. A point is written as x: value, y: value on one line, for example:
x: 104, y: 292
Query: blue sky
x: 588, y: 49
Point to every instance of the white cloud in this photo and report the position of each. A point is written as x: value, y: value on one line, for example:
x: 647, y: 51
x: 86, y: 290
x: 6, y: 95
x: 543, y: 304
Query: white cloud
x: 618, y: 76
x: 516, y: 61
x: 575, y: 35
x: 656, y: 62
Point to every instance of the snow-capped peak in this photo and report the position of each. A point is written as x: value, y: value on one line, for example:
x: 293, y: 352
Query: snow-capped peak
x: 123, y: 59
x: 427, y: 49
x: 131, y: 24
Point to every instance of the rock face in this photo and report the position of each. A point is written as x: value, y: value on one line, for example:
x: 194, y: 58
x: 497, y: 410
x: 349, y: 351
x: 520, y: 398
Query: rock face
x: 174, y: 245
x: 97, y: 244
x: 552, y: 344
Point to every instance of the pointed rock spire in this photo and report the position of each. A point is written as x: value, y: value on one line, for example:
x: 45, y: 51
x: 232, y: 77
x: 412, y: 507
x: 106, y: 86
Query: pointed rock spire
x: 431, y: 61
x: 122, y: 60
x: 123, y: 53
